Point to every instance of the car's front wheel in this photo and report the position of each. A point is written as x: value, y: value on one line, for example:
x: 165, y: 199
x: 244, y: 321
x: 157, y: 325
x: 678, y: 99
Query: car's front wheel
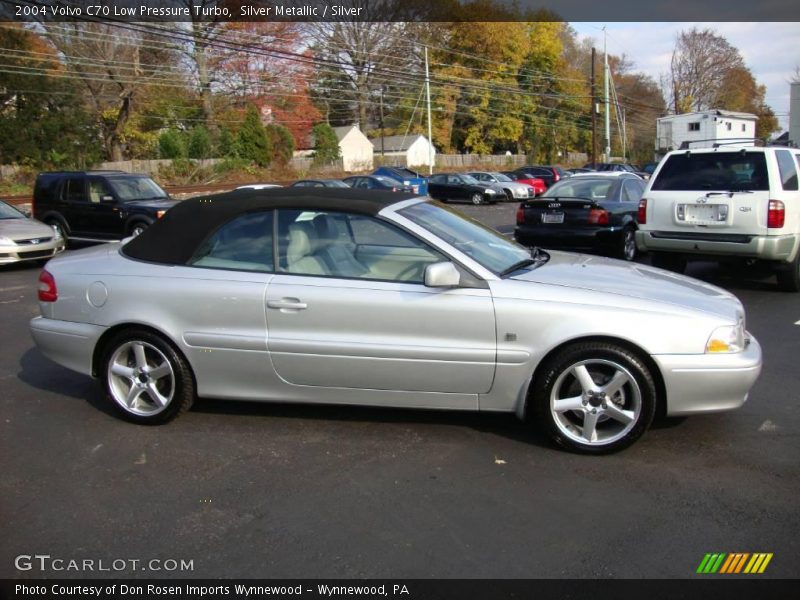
x: 477, y: 198
x: 137, y: 228
x: 594, y: 397
x: 145, y: 378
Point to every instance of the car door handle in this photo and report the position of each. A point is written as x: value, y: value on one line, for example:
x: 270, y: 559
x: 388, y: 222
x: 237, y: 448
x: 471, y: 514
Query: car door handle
x: 287, y: 303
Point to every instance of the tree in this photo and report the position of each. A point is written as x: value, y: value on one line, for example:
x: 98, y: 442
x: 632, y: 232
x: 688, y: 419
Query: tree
x: 326, y: 146
x: 282, y: 143
x: 114, y: 70
x: 700, y: 63
x: 43, y: 121
x: 252, y: 141
x: 199, y: 143
x: 171, y: 144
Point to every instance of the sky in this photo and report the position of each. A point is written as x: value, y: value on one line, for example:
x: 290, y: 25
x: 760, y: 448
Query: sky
x: 770, y: 50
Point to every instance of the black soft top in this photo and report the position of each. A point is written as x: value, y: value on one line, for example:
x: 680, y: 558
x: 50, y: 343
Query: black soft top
x: 174, y: 238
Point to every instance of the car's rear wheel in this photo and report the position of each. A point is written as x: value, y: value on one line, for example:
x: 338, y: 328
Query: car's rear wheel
x: 668, y: 261
x: 789, y: 278
x: 145, y: 378
x: 595, y: 397
x: 477, y: 198
x: 627, y: 247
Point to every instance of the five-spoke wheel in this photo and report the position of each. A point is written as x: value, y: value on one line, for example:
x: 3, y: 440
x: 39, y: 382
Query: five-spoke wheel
x: 595, y: 397
x: 147, y: 380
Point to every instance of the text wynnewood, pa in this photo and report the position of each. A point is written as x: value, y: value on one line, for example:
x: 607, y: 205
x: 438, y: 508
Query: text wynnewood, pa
x: 199, y: 591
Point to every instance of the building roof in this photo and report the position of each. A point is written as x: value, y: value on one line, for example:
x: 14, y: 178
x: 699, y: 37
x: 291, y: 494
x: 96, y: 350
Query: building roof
x: 174, y: 238
x: 397, y: 143
x: 717, y: 112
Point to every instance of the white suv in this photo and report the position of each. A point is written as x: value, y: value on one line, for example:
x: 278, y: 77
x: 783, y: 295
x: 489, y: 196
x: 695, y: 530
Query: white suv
x: 724, y: 202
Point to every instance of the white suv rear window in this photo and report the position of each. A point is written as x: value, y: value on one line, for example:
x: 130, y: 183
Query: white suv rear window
x: 713, y: 171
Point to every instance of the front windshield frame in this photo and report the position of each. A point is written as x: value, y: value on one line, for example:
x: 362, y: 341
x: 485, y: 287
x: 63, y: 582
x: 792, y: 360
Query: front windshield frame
x: 9, y: 212
x: 485, y: 246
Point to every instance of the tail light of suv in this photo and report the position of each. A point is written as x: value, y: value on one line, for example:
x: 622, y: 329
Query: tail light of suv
x: 48, y: 292
x: 776, y: 214
x: 641, y: 216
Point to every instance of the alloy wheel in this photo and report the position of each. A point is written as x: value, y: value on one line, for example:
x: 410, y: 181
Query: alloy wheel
x: 140, y: 378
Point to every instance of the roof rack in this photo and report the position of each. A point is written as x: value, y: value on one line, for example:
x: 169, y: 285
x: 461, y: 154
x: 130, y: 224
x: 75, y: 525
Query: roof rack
x: 686, y: 145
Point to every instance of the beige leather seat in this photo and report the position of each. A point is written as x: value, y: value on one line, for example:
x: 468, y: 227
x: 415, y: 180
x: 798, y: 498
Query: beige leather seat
x: 300, y: 257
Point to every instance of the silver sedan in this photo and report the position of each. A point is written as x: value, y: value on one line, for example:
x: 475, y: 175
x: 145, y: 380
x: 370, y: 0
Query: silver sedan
x: 375, y: 298
x: 25, y: 239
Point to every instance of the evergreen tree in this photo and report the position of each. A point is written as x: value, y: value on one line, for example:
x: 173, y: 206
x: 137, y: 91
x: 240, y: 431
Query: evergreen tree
x: 252, y: 141
x: 282, y: 143
x: 171, y: 144
x: 199, y: 143
x: 326, y: 146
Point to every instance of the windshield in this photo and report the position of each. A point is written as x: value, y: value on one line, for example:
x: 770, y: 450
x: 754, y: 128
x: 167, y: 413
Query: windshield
x: 482, y: 244
x: 501, y: 177
x: 580, y: 187
x: 713, y: 171
x: 336, y: 183
x: 9, y: 212
x: 136, y: 188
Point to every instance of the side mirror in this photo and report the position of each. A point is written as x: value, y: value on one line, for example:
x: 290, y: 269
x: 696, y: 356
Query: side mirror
x: 442, y: 274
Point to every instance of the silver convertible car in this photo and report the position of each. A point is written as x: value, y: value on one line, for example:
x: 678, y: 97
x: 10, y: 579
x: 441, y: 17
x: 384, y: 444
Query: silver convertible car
x: 385, y: 299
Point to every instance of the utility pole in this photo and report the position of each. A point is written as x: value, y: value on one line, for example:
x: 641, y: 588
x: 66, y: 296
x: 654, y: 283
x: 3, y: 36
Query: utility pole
x: 605, y: 86
x: 383, y: 135
x: 594, y: 114
x: 430, y: 134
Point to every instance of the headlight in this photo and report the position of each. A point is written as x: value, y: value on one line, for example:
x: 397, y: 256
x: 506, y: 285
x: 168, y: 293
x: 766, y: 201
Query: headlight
x: 490, y: 191
x: 7, y: 241
x: 160, y: 213
x: 726, y: 340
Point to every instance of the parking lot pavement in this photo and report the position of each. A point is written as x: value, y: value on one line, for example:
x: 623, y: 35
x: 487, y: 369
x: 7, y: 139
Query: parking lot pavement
x: 289, y: 491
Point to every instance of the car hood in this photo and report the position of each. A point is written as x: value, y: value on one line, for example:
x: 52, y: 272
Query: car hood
x: 160, y: 203
x: 633, y: 280
x: 23, y: 229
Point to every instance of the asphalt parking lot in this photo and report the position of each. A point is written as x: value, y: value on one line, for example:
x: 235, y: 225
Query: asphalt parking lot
x: 280, y: 491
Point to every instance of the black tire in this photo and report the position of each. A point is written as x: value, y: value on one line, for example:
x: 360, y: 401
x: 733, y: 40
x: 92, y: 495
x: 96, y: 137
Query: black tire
x: 789, y: 278
x: 635, y: 400
x: 509, y: 195
x: 627, y: 245
x: 476, y: 198
x: 668, y: 261
x: 57, y: 225
x: 179, y: 392
x: 137, y: 227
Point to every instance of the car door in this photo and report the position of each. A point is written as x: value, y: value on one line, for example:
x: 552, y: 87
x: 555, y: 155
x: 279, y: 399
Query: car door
x: 456, y: 188
x: 77, y: 208
x: 348, y: 310
x: 107, y: 216
x: 437, y: 187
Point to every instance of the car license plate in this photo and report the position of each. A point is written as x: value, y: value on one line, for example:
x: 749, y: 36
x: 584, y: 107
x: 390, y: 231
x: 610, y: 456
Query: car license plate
x: 702, y: 213
x: 552, y: 217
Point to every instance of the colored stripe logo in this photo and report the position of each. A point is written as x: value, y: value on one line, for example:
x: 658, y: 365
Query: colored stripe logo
x: 734, y: 562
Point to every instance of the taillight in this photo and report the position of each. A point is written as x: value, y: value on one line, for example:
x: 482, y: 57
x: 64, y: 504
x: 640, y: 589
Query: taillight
x: 776, y: 214
x: 520, y: 214
x: 642, y: 215
x: 47, y: 287
x: 598, y: 216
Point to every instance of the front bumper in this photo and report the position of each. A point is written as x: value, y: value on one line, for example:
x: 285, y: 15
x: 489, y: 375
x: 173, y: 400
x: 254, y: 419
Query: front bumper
x: 13, y: 253
x: 69, y: 344
x: 772, y: 247
x: 708, y: 383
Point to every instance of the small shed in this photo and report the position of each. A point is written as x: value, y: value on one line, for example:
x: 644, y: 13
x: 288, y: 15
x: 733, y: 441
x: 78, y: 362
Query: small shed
x: 706, y: 128
x: 416, y: 149
x: 356, y: 149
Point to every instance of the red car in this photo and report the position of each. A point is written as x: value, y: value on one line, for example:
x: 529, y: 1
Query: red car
x: 537, y: 184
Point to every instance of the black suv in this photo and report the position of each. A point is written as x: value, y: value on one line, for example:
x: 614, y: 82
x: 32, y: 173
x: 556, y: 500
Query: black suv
x: 98, y: 205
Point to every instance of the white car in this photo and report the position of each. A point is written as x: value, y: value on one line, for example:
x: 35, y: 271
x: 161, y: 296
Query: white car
x: 722, y: 203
